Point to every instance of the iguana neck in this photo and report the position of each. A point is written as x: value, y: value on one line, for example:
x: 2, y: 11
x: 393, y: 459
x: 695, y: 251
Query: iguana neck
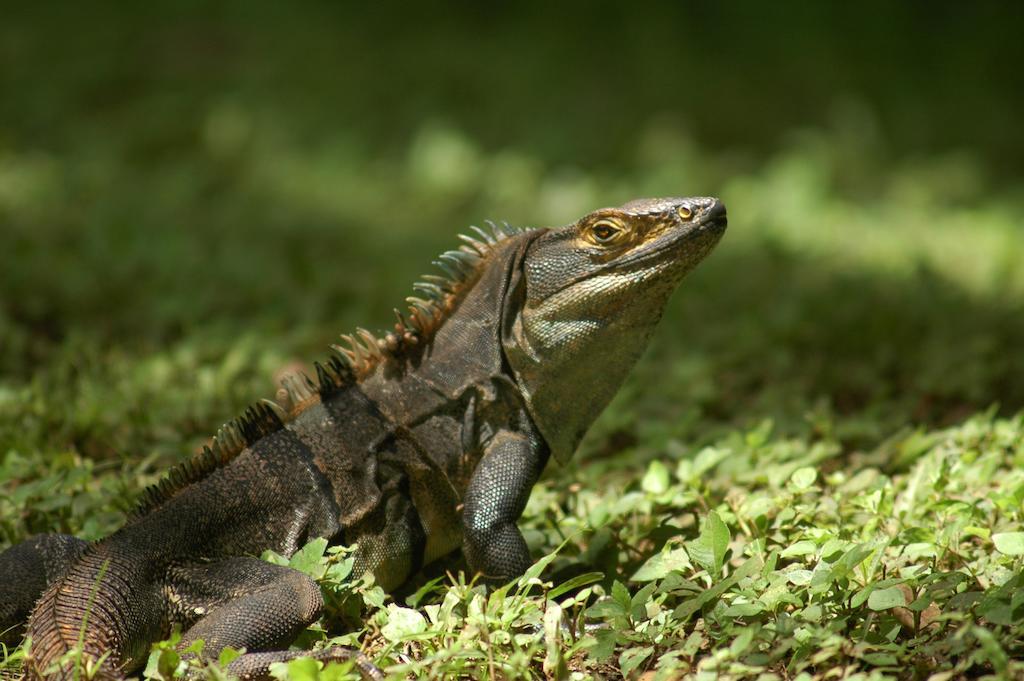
x: 565, y: 395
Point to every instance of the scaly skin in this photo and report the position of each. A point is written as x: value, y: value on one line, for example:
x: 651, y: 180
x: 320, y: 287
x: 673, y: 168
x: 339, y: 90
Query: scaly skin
x: 413, y: 445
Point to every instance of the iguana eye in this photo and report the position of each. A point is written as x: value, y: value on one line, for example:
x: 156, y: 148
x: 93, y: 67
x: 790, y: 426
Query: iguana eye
x: 684, y: 212
x: 604, y: 232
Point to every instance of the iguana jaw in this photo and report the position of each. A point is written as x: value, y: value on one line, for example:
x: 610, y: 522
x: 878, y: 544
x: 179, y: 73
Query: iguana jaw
x: 595, y: 291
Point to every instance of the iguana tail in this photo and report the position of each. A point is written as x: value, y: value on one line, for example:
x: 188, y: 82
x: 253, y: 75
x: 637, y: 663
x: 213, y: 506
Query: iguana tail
x: 94, y: 621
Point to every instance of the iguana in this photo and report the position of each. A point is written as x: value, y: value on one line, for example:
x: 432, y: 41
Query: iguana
x: 411, y: 445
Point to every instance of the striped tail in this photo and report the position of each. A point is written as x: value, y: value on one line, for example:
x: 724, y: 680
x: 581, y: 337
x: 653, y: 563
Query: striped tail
x: 93, y: 622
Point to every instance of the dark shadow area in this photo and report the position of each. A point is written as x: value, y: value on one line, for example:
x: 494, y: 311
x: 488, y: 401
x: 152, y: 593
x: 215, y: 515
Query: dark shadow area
x: 570, y: 83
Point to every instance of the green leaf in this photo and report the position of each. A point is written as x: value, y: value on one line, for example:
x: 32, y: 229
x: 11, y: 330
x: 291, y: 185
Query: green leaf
x: 340, y: 671
x: 660, y: 565
x: 164, y: 663
x: 1009, y: 543
x: 621, y: 595
x: 742, y: 641
x: 639, y: 601
x: 656, y: 480
x: 575, y: 583
x: 606, y: 608
x: 991, y: 650
x: 413, y: 600
x: 743, y: 610
x: 803, y: 478
x: 692, y: 605
x: 279, y: 670
x: 708, y: 458
x: 403, y: 623
x: 632, y: 658
x: 274, y: 558
x: 604, y: 644
x: 799, y: 577
x: 227, y: 656
x: 304, y: 669
x: 308, y: 559
x: 340, y: 572
x: 708, y: 550
x: 881, y: 659
x: 804, y: 547
x: 534, y: 571
x: 883, y: 599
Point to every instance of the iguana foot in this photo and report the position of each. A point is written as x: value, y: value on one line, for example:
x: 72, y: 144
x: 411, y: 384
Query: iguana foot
x: 256, y: 666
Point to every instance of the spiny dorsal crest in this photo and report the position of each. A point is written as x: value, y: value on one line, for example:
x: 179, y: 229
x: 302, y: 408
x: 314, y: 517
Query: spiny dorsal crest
x: 438, y: 295
x: 257, y: 422
x: 355, y: 358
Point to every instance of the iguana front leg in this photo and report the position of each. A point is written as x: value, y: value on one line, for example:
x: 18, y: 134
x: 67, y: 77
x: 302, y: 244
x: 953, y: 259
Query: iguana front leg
x: 495, y: 498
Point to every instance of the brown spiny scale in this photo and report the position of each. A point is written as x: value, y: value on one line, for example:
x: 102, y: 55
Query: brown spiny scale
x: 361, y: 356
x: 228, y: 439
x: 452, y: 273
x: 281, y: 412
x: 443, y: 283
x: 422, y: 322
x: 281, y: 397
x: 299, y: 386
x: 354, y: 351
x: 429, y: 288
x: 345, y: 355
x: 476, y: 247
x: 327, y: 384
x: 346, y: 365
x: 302, y: 392
x: 342, y: 368
x: 421, y: 307
x: 464, y: 262
x: 258, y: 422
x: 400, y: 324
x: 371, y: 343
x: 291, y: 391
x: 305, y: 381
x: 503, y: 231
x: 488, y: 238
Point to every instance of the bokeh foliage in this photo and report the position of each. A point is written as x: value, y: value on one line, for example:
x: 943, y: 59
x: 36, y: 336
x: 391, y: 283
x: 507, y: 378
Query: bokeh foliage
x: 194, y: 196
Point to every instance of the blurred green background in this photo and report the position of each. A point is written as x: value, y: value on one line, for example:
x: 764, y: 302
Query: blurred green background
x: 192, y: 194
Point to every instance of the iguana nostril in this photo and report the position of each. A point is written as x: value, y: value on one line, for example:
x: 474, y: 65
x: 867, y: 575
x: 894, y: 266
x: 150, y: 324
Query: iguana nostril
x: 716, y: 212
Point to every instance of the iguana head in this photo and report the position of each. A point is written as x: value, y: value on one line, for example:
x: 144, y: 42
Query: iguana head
x: 593, y: 292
